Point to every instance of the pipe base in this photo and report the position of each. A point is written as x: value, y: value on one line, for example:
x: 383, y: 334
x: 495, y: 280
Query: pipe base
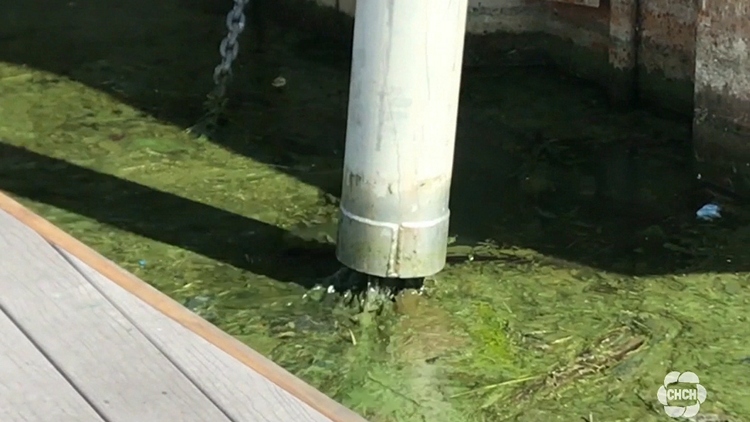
x: 392, y: 250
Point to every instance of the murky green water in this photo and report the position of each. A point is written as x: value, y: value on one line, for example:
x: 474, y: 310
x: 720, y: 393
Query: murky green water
x: 578, y: 279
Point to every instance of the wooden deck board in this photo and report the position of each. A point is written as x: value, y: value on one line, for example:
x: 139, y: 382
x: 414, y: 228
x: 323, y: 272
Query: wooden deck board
x: 92, y: 354
x: 122, y: 375
x: 31, y: 389
x: 244, y: 394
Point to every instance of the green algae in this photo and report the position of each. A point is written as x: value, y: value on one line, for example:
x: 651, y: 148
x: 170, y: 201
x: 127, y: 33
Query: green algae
x: 568, y: 311
x: 495, y: 353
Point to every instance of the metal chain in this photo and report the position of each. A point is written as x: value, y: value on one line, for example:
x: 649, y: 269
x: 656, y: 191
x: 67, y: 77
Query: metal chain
x: 229, y: 47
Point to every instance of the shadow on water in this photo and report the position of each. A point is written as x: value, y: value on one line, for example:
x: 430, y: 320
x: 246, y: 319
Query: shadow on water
x: 161, y: 216
x: 564, y: 175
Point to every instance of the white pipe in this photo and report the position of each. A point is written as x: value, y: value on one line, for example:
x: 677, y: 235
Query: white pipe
x: 403, y: 107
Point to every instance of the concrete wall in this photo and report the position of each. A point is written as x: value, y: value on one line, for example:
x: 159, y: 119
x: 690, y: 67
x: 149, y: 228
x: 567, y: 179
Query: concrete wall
x: 721, y: 125
x: 579, y: 40
x: 666, y: 52
x: 688, y: 56
x: 485, y: 16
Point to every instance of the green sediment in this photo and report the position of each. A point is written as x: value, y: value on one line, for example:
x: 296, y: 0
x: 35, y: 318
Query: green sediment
x: 552, y: 307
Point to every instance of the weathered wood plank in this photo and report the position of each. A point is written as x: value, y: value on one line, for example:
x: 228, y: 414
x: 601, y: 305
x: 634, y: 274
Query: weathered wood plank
x: 122, y: 375
x: 244, y: 394
x: 168, y: 307
x: 31, y: 389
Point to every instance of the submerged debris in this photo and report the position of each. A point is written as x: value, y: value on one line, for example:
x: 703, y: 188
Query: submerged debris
x: 365, y: 292
x: 709, y: 212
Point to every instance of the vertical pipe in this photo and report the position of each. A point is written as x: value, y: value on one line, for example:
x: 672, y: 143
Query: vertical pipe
x: 403, y: 106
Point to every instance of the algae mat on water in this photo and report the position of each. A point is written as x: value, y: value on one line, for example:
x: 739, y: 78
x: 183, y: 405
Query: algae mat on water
x: 513, y: 336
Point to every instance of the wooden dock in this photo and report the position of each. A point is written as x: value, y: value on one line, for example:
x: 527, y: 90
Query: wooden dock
x: 83, y: 340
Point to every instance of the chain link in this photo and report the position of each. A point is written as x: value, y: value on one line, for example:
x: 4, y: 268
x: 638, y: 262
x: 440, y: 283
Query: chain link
x: 229, y: 48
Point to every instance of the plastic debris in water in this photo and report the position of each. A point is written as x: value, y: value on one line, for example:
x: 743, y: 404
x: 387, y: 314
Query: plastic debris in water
x: 709, y: 212
x: 279, y: 82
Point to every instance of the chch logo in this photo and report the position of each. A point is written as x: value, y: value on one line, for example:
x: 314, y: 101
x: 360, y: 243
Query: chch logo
x: 669, y: 393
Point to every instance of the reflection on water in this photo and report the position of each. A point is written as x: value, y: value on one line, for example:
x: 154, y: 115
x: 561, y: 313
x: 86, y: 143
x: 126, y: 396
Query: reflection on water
x: 578, y: 277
